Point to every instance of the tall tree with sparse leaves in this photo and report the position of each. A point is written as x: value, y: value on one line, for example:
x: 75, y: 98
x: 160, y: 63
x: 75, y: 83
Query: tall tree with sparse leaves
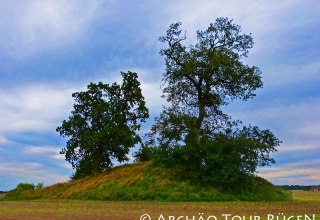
x: 103, y: 125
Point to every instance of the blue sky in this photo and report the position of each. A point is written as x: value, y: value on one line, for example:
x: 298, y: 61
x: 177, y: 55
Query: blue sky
x: 52, y: 48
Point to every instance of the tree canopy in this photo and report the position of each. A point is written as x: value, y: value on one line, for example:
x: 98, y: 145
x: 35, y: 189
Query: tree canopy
x: 103, y: 125
x: 201, y: 78
x: 198, y: 80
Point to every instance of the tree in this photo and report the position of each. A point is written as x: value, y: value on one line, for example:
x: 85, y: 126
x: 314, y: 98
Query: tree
x: 199, y: 79
x: 103, y: 125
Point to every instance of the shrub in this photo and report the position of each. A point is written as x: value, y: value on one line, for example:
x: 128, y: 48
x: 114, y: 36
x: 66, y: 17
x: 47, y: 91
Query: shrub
x: 25, y: 191
x: 22, y: 187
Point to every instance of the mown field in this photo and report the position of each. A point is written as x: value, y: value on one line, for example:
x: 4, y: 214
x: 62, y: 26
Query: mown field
x: 303, y: 203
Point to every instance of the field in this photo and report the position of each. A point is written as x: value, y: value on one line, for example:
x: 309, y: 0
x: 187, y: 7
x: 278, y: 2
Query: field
x: 304, y: 203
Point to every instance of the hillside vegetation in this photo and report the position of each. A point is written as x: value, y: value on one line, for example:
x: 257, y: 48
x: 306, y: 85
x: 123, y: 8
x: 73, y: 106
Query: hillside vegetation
x: 143, y: 181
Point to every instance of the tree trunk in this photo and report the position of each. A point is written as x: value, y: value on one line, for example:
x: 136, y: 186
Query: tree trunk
x: 201, y: 116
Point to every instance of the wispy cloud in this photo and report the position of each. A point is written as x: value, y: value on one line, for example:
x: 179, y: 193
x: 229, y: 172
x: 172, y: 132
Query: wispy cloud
x: 293, y: 176
x: 34, y: 108
x: 302, y: 146
x: 44, y: 151
x: 30, y: 27
x: 259, y: 17
x: 300, y: 172
x: 4, y: 141
x: 31, y: 172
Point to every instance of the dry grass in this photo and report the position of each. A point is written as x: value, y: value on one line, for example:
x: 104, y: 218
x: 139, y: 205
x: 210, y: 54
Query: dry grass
x: 305, y: 203
x: 144, y: 182
x: 307, y: 196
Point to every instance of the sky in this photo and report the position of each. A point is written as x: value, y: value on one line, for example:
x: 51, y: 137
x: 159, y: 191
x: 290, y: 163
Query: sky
x: 52, y: 48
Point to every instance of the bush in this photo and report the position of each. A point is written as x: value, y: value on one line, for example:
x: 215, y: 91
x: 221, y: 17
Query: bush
x: 22, y: 187
x: 25, y: 191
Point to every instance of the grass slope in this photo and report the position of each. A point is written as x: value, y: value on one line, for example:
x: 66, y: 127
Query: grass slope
x: 143, y: 181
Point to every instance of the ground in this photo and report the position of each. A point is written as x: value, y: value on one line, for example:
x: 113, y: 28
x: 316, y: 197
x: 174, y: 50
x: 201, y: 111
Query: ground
x: 304, y: 203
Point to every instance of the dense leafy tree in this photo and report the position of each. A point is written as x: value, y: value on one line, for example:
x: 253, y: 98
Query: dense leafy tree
x: 103, y: 125
x: 199, y: 80
x: 227, y: 158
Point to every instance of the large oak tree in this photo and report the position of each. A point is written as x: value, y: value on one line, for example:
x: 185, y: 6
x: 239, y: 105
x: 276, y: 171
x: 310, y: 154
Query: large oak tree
x: 201, y: 78
x: 103, y: 125
x: 198, y: 80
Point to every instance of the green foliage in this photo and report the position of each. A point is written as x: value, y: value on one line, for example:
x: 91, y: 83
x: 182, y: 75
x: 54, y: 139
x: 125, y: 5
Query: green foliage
x: 194, y: 134
x: 228, y: 159
x: 144, y: 154
x: 296, y: 187
x: 24, y: 191
x: 201, y: 78
x: 21, y: 187
x: 103, y: 125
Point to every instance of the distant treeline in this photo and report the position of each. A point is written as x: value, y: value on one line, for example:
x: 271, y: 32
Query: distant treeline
x: 296, y: 187
x: 1, y: 192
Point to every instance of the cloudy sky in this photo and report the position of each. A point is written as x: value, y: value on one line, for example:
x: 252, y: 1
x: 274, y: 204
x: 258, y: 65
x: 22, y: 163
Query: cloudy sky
x: 52, y: 48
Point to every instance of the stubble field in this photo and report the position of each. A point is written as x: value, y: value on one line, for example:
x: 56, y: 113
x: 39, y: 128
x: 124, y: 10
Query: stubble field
x: 304, y: 203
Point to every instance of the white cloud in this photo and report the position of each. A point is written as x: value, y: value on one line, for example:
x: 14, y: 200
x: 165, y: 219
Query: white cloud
x: 299, y: 146
x: 30, y: 27
x: 293, y: 177
x: 312, y: 130
x: 256, y: 17
x: 300, y: 172
x: 31, y: 172
x: 45, y: 151
x: 152, y: 93
x: 4, y: 140
x: 34, y: 108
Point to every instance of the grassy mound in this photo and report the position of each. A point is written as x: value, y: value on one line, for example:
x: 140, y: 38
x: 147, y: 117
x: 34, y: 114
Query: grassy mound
x: 143, y: 181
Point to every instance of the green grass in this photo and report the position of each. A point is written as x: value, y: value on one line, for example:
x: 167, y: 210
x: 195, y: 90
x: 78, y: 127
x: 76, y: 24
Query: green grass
x: 137, y: 182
